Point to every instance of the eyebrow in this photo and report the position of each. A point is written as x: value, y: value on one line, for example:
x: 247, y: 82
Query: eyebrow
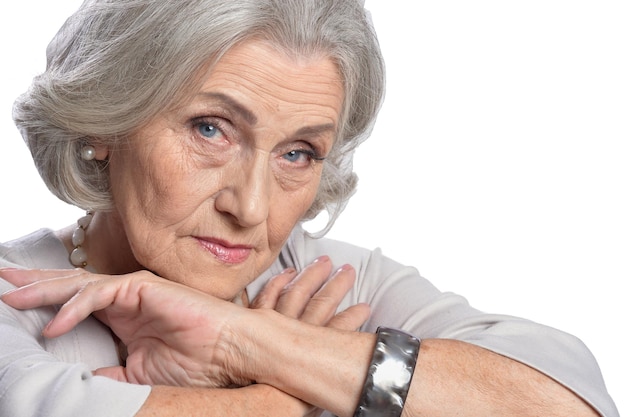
x: 252, y: 119
x: 315, y: 130
x: 231, y: 102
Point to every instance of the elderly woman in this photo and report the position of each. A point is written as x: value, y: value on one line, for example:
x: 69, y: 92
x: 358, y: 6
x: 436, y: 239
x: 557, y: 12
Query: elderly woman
x: 198, y: 135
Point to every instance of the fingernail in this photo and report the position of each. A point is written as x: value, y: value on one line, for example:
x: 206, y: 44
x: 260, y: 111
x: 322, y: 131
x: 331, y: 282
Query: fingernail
x: 288, y: 270
x: 321, y: 259
x: 345, y: 268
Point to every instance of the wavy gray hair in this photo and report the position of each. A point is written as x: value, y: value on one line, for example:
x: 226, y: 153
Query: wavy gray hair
x: 115, y: 64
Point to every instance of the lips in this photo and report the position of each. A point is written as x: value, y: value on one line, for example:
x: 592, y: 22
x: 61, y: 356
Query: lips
x: 224, y: 251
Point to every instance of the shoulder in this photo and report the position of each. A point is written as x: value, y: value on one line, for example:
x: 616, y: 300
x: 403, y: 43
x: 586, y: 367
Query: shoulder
x: 301, y: 249
x: 40, y: 249
x: 375, y: 272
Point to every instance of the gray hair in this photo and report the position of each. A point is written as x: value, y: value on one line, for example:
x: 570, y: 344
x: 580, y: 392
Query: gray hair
x: 115, y: 64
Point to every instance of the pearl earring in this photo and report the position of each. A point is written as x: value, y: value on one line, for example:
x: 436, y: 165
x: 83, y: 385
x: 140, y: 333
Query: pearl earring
x: 88, y: 152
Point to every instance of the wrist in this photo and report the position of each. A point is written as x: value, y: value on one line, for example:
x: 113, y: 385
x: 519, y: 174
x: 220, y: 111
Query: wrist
x: 256, y: 346
x: 390, y: 374
x: 242, y: 346
x: 253, y: 345
x: 321, y: 366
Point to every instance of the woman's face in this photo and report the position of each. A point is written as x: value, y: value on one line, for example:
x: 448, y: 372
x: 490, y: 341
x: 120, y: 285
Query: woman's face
x: 208, y: 193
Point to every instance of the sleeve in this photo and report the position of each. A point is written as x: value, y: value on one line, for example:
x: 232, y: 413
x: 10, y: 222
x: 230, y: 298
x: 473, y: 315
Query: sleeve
x: 33, y: 382
x: 399, y: 297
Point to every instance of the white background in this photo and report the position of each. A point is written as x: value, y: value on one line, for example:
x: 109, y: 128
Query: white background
x: 496, y: 167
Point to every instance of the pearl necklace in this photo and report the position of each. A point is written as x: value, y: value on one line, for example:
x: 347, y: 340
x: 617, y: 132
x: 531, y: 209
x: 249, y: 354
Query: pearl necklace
x: 78, y: 257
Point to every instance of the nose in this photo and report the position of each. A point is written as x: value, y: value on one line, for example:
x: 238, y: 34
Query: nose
x: 246, y: 194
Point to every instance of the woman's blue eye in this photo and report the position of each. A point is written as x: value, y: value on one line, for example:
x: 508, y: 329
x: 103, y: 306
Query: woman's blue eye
x: 297, y: 154
x: 208, y: 130
x: 294, y: 156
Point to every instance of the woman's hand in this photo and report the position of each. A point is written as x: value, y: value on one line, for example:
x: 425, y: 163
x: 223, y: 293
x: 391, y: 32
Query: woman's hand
x: 173, y: 333
x: 312, y: 297
x: 176, y: 335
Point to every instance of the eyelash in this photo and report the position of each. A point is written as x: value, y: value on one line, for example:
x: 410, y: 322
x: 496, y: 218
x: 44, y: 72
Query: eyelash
x: 311, y: 153
x: 204, y: 121
x: 222, y: 126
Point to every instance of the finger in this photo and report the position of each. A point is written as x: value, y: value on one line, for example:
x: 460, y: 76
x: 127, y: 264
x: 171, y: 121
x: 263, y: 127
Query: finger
x: 268, y: 297
x: 90, y: 297
x: 351, y: 318
x: 56, y: 290
x: 117, y: 373
x: 323, y: 305
x: 22, y: 277
x: 295, y: 296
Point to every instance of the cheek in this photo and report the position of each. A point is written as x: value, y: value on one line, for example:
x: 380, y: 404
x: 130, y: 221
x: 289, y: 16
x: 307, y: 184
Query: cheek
x: 288, y: 211
x: 155, y: 185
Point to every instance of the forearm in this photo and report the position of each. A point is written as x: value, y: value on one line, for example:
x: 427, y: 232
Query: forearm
x: 457, y: 378
x: 327, y: 368
x: 321, y: 366
x: 255, y: 400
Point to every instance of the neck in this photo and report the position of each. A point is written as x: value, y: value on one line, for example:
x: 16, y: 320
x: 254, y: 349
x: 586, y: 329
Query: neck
x: 106, y: 245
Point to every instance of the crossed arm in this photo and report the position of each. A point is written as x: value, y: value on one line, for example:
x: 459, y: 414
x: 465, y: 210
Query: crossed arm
x: 289, y: 354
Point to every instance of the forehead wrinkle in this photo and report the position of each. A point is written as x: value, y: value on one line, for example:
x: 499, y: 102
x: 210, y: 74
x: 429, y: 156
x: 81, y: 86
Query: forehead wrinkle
x: 276, y: 77
x: 275, y: 85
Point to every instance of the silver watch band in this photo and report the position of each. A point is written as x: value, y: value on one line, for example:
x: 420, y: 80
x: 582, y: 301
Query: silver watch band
x: 390, y: 373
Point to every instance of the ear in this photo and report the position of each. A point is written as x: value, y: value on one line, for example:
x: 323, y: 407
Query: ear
x: 102, y: 151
